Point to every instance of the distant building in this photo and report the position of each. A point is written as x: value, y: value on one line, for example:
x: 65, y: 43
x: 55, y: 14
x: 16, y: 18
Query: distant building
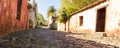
x: 33, y: 14
x: 102, y: 16
x: 52, y: 24
x: 13, y: 15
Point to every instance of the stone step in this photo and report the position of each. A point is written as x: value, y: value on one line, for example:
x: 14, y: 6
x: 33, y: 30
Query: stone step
x: 98, y: 34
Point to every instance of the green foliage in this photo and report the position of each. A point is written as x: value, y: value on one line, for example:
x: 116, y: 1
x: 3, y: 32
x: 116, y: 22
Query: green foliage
x: 40, y: 19
x: 51, y: 11
x: 60, y: 19
x: 70, y: 6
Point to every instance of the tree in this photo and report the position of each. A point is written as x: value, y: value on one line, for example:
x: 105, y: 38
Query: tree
x: 74, y: 5
x: 70, y: 6
x: 51, y: 11
x: 40, y: 19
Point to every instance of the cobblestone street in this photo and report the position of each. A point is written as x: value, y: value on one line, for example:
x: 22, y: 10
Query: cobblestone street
x: 59, y: 23
x: 46, y: 38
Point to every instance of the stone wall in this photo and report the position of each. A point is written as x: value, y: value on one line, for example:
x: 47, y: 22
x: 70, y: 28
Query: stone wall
x: 8, y: 14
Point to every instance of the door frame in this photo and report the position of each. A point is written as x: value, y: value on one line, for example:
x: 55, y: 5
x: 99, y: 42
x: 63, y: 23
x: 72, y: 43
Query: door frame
x: 104, y: 19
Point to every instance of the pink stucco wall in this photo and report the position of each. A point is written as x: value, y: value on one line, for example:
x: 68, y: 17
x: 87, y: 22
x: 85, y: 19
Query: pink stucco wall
x: 8, y: 14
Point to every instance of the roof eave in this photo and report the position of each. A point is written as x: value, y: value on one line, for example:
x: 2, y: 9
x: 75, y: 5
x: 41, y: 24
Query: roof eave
x: 89, y: 6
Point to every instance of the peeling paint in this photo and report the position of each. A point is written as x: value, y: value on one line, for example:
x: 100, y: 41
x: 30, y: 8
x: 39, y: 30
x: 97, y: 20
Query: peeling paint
x: 8, y: 21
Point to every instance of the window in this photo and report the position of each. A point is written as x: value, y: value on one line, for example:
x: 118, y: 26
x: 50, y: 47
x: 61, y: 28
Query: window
x: 81, y: 20
x: 19, y: 4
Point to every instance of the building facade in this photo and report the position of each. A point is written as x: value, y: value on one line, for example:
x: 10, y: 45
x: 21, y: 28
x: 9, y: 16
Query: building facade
x: 13, y: 15
x: 33, y: 14
x: 52, y: 24
x: 101, y: 16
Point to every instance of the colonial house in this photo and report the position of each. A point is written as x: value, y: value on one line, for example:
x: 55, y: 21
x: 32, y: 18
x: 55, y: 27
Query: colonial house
x: 102, y: 16
x: 52, y: 24
x: 33, y: 14
x: 13, y: 15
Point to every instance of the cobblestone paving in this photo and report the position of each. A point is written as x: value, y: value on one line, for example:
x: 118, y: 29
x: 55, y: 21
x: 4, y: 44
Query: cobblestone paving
x: 106, y: 40
x: 59, y: 39
x: 45, y: 38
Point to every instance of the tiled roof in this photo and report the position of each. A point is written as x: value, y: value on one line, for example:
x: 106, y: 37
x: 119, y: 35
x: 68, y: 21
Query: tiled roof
x: 89, y: 6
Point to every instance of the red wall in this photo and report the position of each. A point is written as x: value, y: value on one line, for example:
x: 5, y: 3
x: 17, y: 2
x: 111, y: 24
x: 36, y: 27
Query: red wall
x: 8, y: 12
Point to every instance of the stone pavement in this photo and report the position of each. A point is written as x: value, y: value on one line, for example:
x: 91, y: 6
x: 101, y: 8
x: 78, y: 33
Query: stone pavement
x: 46, y: 38
x: 99, y: 39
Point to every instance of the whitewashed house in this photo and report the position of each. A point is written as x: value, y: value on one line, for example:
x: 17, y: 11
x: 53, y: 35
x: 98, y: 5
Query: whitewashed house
x: 33, y: 14
x: 52, y: 24
x: 102, y: 16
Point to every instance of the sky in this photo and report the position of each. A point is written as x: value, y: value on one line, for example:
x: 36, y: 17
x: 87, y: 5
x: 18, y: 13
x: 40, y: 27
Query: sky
x: 43, y: 6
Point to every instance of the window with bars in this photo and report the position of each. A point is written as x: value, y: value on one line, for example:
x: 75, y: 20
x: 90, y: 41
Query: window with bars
x: 19, y: 5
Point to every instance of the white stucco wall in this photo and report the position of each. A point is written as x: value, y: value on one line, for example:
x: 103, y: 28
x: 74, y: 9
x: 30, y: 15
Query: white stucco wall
x: 113, y: 17
x: 112, y: 21
x: 61, y: 26
x: 89, y: 18
x: 32, y: 17
x: 51, y: 24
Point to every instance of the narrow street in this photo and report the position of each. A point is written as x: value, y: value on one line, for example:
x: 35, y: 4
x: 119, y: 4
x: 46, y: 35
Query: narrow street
x: 43, y: 24
x: 46, y: 38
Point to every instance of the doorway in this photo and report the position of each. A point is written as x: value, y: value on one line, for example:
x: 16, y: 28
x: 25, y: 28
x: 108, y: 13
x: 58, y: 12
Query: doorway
x: 100, y: 22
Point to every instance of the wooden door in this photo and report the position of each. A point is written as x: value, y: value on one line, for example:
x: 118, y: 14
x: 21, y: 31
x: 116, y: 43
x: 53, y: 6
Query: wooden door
x: 100, y: 24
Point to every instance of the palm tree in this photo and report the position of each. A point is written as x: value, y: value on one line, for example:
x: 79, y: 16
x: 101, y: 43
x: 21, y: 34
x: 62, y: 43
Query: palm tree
x: 51, y: 11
